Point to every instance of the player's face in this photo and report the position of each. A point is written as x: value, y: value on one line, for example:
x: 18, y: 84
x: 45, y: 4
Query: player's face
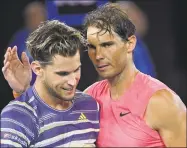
x: 61, y: 78
x: 107, y: 52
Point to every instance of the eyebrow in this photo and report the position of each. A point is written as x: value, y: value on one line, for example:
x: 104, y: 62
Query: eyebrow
x: 102, y: 44
x: 67, y: 72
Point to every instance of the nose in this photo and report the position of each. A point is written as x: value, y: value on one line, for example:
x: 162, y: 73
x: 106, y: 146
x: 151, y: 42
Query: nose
x: 99, y: 54
x: 72, y: 80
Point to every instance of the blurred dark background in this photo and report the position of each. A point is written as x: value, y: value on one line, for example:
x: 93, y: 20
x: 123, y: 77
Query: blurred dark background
x: 166, y: 40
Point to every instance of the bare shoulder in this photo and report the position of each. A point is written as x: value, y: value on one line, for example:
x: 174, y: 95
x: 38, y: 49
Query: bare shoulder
x: 164, y: 107
x: 166, y: 98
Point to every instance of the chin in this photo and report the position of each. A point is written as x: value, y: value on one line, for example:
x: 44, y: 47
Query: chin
x: 64, y: 97
x: 106, y: 75
x: 67, y: 98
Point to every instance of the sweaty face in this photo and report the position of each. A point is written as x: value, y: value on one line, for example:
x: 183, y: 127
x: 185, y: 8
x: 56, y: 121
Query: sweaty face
x: 107, y: 52
x: 61, y: 78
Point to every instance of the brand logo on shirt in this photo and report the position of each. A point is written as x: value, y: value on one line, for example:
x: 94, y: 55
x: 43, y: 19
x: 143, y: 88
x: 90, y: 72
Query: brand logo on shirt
x: 82, y: 117
x: 123, y: 114
x: 14, y: 138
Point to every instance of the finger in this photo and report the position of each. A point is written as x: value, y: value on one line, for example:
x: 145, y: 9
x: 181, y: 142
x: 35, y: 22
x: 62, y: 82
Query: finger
x: 5, y: 69
x: 25, y: 59
x: 7, y: 57
x: 8, y: 50
x: 14, y: 53
x: 14, y: 48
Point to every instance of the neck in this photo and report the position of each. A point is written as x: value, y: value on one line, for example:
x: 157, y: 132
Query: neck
x: 50, y: 100
x: 121, y: 82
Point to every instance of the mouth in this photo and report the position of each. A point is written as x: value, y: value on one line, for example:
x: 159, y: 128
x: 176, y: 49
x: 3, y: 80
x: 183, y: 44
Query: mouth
x: 102, y: 67
x: 68, y: 90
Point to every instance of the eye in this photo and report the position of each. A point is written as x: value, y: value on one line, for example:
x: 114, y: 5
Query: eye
x: 107, y: 45
x: 90, y: 46
x: 62, y: 73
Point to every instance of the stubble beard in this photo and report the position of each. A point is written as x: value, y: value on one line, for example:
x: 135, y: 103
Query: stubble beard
x: 54, y: 94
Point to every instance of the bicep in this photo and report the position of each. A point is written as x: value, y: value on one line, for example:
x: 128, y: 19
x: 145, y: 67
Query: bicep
x: 169, y: 118
x: 16, y: 129
x: 173, y: 133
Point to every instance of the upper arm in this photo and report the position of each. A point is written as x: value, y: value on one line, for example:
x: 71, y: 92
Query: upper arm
x: 167, y: 114
x: 18, y: 129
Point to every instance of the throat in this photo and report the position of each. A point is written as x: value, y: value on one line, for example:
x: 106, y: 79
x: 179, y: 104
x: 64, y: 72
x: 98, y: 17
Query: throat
x: 121, y: 85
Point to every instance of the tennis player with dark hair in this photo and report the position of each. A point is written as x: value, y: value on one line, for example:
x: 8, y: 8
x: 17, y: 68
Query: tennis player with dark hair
x: 136, y: 110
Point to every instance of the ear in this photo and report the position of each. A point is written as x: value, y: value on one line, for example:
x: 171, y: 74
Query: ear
x: 131, y: 44
x: 37, y: 68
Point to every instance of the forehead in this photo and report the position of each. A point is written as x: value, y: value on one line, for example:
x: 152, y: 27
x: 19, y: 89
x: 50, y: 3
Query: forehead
x: 94, y: 34
x: 62, y: 63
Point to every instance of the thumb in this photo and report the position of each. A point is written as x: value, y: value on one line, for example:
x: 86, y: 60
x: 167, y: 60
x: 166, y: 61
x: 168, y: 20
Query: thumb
x: 25, y: 59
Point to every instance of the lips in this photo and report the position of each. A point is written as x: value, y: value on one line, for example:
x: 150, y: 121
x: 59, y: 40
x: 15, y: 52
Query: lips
x: 102, y: 67
x: 67, y: 89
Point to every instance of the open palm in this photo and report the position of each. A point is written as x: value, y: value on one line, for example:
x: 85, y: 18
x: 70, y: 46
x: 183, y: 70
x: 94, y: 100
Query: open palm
x: 17, y: 73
